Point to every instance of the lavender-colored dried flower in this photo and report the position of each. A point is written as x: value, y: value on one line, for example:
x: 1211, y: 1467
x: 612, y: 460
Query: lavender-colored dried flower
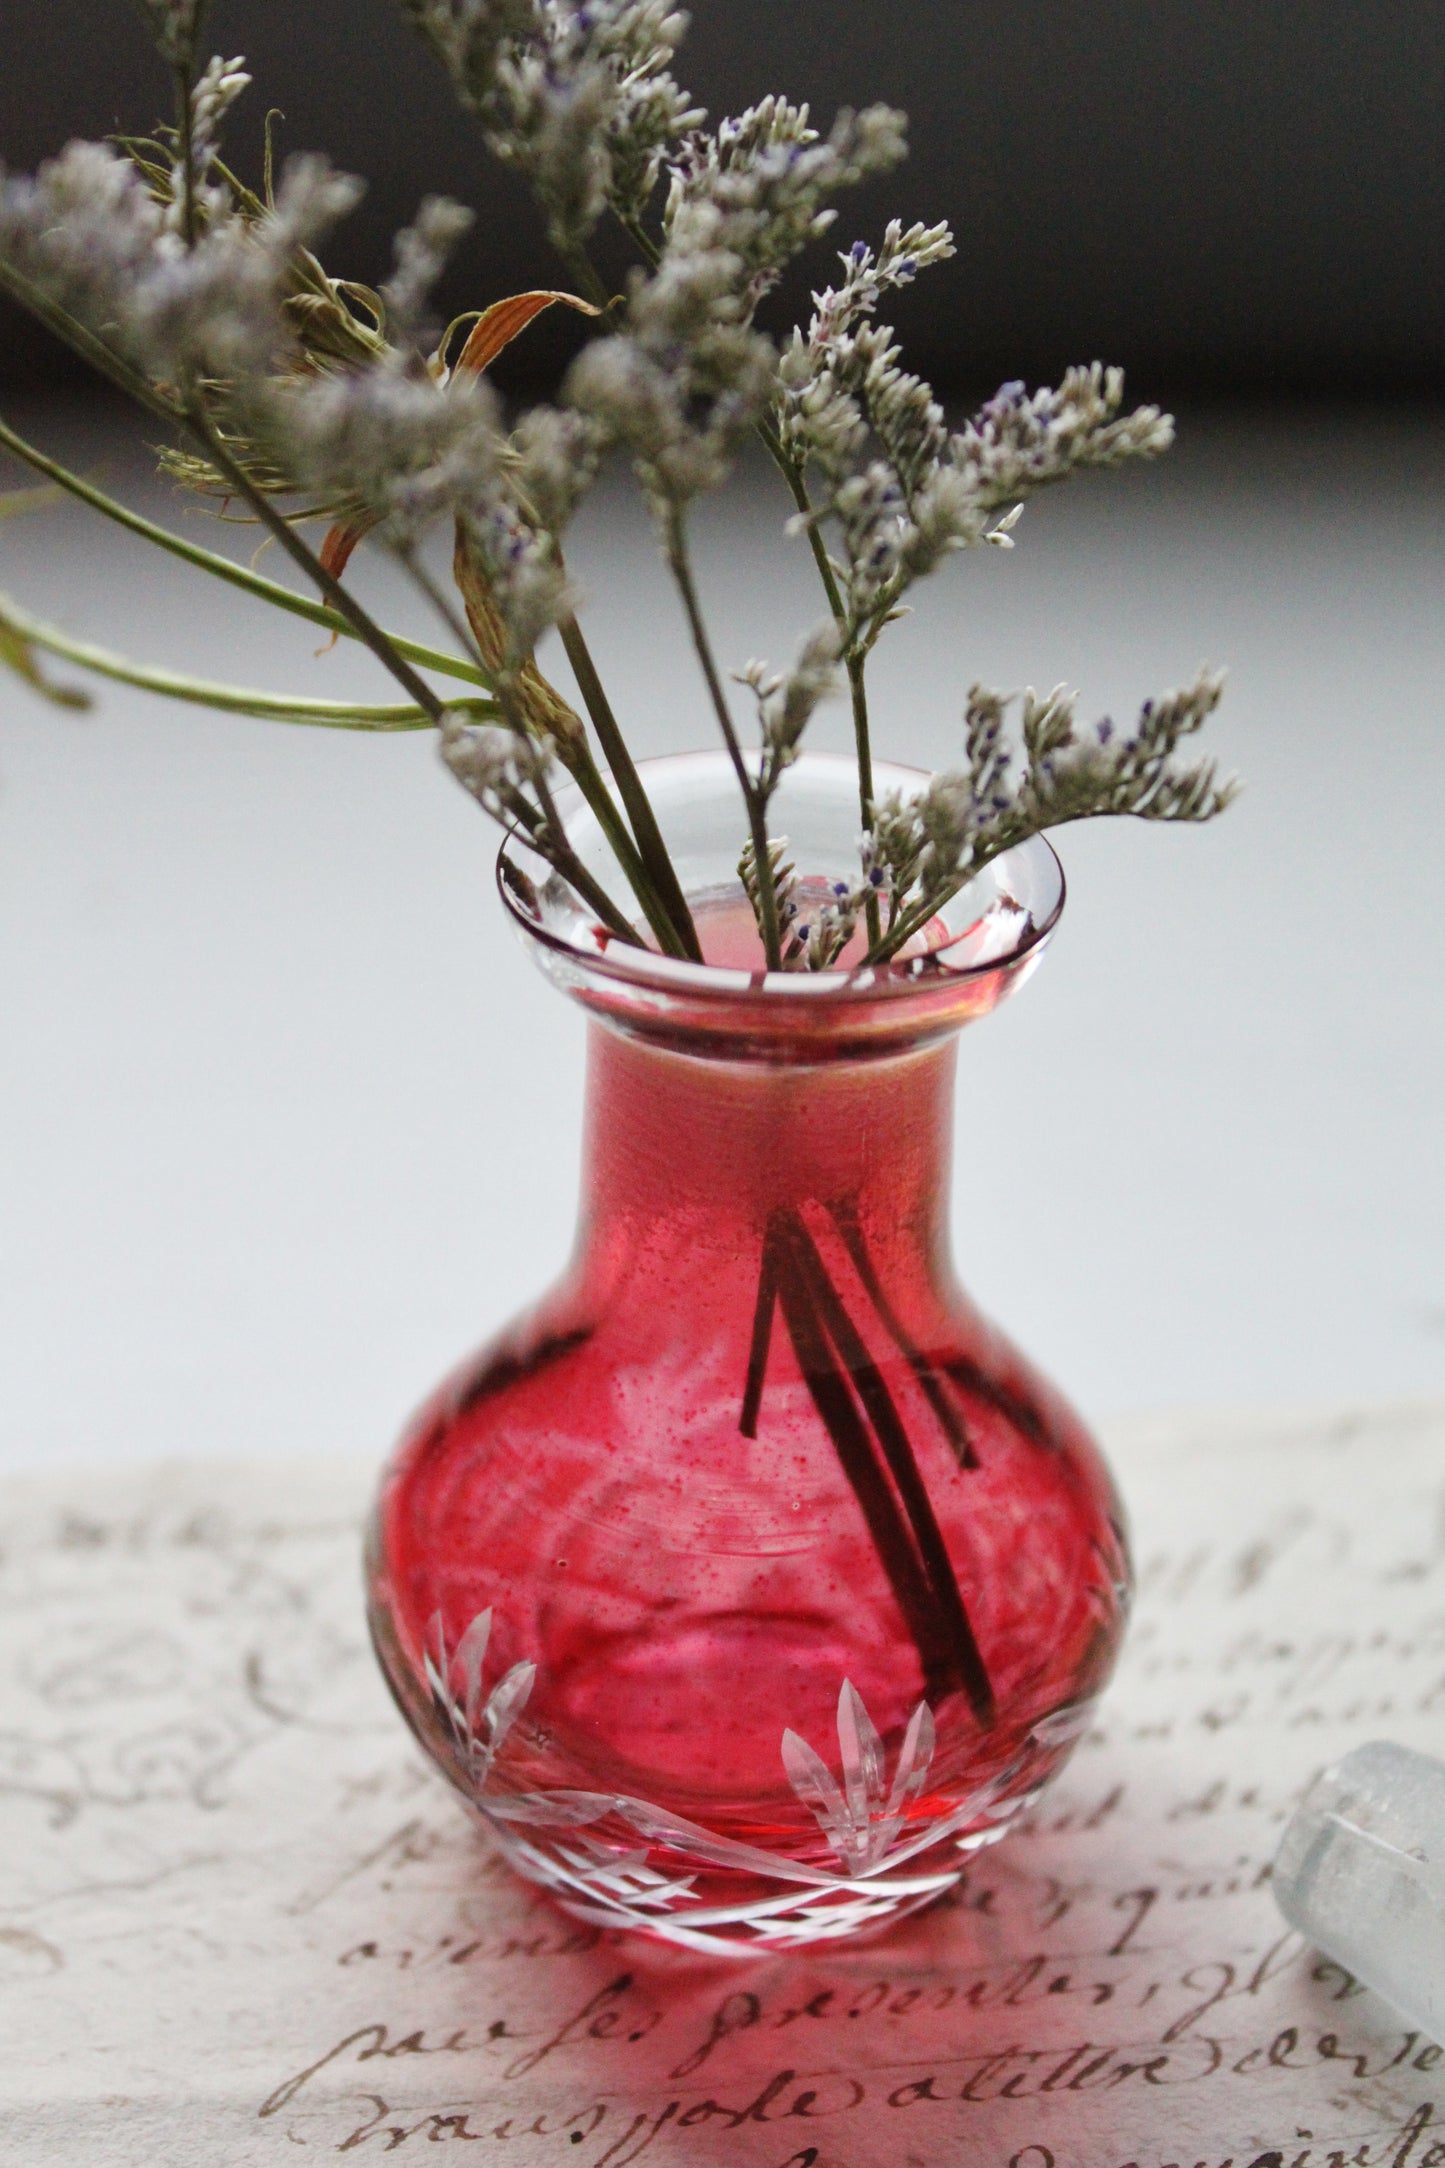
x: 966, y: 817
x: 577, y: 94
x: 220, y: 84
x: 526, y: 579
x: 496, y: 765
x: 784, y: 881
x: 321, y: 390
x: 421, y: 252
x: 1021, y: 441
x: 176, y: 27
x: 84, y: 230
x: 788, y: 700
x: 689, y: 375
x: 769, y: 178
x: 214, y: 312
x: 687, y: 379
x: 96, y: 245
x: 386, y: 439
x: 552, y: 461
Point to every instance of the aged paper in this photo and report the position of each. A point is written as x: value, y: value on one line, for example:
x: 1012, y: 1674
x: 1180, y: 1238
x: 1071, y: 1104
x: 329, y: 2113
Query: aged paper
x: 241, y: 1923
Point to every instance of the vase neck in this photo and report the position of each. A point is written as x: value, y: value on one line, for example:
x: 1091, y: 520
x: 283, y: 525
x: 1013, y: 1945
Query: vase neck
x: 675, y: 1143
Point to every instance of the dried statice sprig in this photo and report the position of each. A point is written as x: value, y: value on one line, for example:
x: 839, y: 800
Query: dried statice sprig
x: 314, y: 395
x: 766, y: 181
x: 782, y: 880
x: 689, y: 375
x: 296, y: 393
x: 577, y: 94
x: 176, y: 27
x: 930, y: 846
x: 393, y: 449
x: 220, y: 84
x: 1021, y: 440
x: 787, y: 701
x: 900, y: 491
x: 231, y: 332
x: 421, y: 252
x: 499, y: 767
x: 386, y: 440
x: 686, y: 381
x: 816, y: 921
x: 868, y: 275
x: 552, y: 457
x: 99, y: 249
x: 832, y: 920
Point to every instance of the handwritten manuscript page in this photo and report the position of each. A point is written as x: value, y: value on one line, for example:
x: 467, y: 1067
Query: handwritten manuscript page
x: 241, y: 1923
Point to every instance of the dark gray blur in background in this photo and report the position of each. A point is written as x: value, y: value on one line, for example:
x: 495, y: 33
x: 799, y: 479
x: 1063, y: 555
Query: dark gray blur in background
x: 1237, y: 196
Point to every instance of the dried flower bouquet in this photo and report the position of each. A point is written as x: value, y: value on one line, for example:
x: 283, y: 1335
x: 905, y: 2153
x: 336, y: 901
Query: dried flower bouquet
x: 301, y: 398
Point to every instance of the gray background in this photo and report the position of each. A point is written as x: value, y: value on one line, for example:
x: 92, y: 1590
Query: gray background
x: 1240, y: 195
x: 286, y: 1119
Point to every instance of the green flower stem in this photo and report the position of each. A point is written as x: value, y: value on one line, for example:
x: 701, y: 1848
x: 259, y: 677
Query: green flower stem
x: 222, y: 568
x: 767, y: 432
x: 908, y: 923
x: 885, y: 945
x: 793, y: 475
x: 553, y: 844
x: 201, y: 692
x: 856, y: 656
x: 187, y: 161
x: 681, y: 567
x: 306, y: 560
x: 73, y: 333
x: 859, y: 690
x: 575, y: 755
x: 642, y: 241
x: 13, y: 502
x: 576, y: 758
x: 650, y: 845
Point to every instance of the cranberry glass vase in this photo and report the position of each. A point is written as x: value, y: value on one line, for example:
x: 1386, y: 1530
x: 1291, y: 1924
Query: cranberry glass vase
x: 751, y: 1580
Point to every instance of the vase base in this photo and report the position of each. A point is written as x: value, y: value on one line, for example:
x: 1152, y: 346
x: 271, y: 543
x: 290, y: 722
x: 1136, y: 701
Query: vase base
x: 671, y: 1894
x: 888, y: 1843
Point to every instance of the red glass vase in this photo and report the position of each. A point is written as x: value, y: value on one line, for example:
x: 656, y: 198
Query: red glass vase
x: 751, y: 1580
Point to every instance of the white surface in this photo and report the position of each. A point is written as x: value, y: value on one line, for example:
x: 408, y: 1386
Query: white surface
x: 239, y: 1919
x: 287, y: 1121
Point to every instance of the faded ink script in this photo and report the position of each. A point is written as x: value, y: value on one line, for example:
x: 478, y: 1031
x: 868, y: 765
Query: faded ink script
x: 240, y: 1922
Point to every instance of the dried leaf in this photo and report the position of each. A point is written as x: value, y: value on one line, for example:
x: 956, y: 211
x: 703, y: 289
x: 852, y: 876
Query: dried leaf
x: 17, y: 653
x: 497, y: 326
x: 342, y: 539
x: 542, y: 706
x: 493, y: 331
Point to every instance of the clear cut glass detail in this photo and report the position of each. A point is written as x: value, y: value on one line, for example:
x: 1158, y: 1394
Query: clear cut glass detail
x: 557, y: 1838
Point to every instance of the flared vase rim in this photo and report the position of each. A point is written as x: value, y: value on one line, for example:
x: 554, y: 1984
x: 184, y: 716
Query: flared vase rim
x: 804, y: 994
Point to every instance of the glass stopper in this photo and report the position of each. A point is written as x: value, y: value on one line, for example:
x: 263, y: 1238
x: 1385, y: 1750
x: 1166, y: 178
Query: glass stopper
x: 1361, y: 1872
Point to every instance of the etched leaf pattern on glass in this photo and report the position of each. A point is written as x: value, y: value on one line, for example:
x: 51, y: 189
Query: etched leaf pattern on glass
x: 477, y: 1727
x: 584, y: 1845
x: 860, y: 1821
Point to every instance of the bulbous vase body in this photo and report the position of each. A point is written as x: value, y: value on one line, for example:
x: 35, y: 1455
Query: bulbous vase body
x: 751, y: 1580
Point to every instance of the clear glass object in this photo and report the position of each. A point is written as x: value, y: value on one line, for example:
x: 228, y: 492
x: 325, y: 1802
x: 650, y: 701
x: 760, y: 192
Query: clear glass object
x: 750, y: 1579
x: 1361, y: 1873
